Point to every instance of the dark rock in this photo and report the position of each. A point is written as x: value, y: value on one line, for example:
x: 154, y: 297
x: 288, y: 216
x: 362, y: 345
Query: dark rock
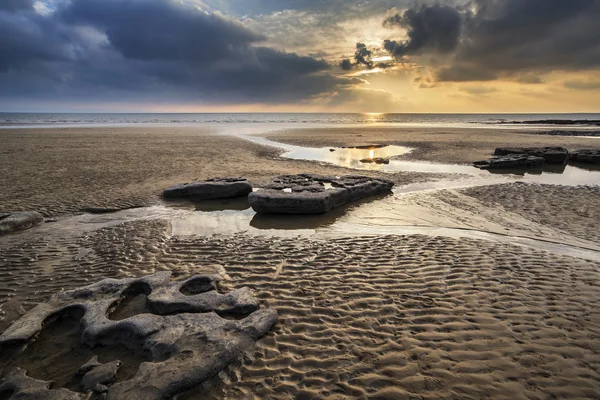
x: 185, y: 339
x: 586, y: 156
x: 314, y: 194
x: 586, y: 133
x: 377, y: 160
x: 88, y: 366
x: 551, y: 155
x: 101, y: 376
x: 11, y: 222
x: 556, y: 122
x: 332, y: 150
x: 367, y: 147
x: 518, y: 161
x: 218, y: 188
x: 106, y: 210
x: 25, y: 388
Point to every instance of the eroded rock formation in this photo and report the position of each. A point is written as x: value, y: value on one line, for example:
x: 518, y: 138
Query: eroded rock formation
x: 551, y: 155
x: 183, y: 335
x: 217, y: 188
x: 515, y: 161
x: 586, y: 156
x: 11, y: 222
x: 314, y: 194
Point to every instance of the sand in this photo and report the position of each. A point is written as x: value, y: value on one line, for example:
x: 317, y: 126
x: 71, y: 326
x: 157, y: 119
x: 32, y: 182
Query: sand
x: 57, y: 171
x: 572, y: 210
x: 371, y: 318
x: 367, y: 317
x: 441, y: 145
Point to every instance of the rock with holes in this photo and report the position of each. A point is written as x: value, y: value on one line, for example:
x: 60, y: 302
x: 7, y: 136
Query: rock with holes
x: 184, y: 335
x: 515, y: 161
x: 314, y: 194
x: 22, y: 387
x: 586, y: 156
x: 551, y: 155
x: 11, y: 222
x: 218, y: 188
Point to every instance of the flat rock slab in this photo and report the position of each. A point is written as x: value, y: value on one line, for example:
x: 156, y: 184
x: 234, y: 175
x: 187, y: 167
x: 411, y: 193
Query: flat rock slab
x: 551, y: 155
x: 378, y: 160
x: 185, y: 338
x: 218, y: 188
x: 586, y: 156
x: 11, y: 222
x: 517, y: 161
x: 314, y: 194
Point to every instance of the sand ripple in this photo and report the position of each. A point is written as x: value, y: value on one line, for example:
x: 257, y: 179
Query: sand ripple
x: 370, y: 318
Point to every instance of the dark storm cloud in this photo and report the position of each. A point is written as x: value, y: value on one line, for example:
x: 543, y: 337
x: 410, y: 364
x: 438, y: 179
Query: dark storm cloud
x: 13, y: 5
x: 496, y: 38
x: 139, y: 48
x: 161, y: 29
x: 27, y: 37
x: 514, y: 36
x: 430, y: 28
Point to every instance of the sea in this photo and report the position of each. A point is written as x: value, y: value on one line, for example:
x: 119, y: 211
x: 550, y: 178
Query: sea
x: 13, y: 120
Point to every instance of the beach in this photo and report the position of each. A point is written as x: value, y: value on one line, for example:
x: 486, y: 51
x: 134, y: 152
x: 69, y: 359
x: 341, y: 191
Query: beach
x: 454, y: 286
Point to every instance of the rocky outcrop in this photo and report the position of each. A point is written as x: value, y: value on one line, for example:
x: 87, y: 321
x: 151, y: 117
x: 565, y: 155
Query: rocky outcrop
x: 517, y: 161
x: 586, y: 133
x: 11, y: 222
x: 184, y: 336
x: 314, y: 194
x: 551, y: 155
x: 378, y: 160
x: 218, y: 188
x: 586, y: 156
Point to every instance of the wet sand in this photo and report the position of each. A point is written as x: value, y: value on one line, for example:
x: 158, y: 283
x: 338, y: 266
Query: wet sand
x: 368, y: 317
x: 439, y: 145
x: 57, y: 171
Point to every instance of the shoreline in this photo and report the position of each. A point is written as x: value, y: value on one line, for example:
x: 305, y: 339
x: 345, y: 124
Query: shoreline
x: 375, y: 317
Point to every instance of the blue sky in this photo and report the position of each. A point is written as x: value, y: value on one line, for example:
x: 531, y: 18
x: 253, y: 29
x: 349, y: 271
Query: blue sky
x: 300, y: 55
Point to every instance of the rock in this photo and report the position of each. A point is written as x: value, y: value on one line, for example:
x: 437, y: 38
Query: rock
x: 332, y: 150
x: 11, y: 222
x: 586, y: 156
x: 218, y: 188
x: 185, y: 339
x: 367, y: 146
x: 517, y: 161
x: 552, y: 155
x: 102, y: 375
x: 586, y: 133
x: 88, y: 366
x: 106, y: 210
x: 314, y: 194
x: 375, y: 161
x: 23, y: 387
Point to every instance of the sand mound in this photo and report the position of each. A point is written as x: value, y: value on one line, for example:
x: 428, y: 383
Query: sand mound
x: 572, y: 210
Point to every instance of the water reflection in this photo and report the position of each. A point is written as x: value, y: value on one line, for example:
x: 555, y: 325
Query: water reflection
x: 295, y: 222
x: 347, y: 157
x: 210, y: 220
x: 357, y: 158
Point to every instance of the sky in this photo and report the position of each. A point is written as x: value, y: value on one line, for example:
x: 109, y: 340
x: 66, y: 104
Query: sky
x: 405, y: 56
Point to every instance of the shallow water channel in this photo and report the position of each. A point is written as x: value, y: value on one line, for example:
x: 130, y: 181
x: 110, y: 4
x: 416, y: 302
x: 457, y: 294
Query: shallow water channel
x: 368, y: 217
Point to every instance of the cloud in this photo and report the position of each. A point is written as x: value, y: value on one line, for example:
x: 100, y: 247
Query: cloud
x: 14, y: 5
x: 494, y: 39
x: 433, y: 28
x: 583, y: 84
x: 150, y: 50
x: 478, y: 89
